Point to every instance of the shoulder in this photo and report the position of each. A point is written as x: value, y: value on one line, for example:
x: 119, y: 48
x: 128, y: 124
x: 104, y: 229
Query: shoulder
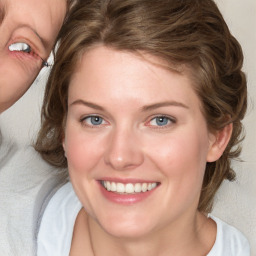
x: 58, y: 220
x: 229, y: 240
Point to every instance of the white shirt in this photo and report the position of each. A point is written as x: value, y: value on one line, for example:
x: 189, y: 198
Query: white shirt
x: 56, y: 229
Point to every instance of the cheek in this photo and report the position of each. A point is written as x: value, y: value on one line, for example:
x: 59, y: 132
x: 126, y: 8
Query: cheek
x: 77, y: 153
x: 15, y: 79
x: 181, y: 157
x: 82, y: 152
x: 182, y: 162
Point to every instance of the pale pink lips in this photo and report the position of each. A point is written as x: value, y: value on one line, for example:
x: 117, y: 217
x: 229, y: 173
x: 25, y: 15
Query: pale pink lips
x: 127, y: 192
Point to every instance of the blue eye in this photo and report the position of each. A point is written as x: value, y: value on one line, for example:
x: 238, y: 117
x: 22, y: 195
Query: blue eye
x: 161, y: 121
x: 93, y: 120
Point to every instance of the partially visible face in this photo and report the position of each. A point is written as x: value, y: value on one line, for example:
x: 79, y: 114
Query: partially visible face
x: 28, y: 30
x: 136, y: 142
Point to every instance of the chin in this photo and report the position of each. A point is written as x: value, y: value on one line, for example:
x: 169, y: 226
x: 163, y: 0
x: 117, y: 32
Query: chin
x: 126, y: 227
x: 130, y: 232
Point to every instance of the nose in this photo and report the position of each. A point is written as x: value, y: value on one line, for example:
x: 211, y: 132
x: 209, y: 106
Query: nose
x: 124, y: 150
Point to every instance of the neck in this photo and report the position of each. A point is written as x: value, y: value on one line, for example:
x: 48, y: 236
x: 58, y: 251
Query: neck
x: 187, y: 237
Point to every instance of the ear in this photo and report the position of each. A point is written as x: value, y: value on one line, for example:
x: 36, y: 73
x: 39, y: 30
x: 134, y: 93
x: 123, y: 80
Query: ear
x: 218, y: 143
x: 64, y: 143
x: 64, y: 148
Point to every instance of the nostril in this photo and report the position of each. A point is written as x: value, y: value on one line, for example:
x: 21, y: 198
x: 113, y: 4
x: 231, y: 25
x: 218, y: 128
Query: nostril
x: 126, y: 162
x: 123, y: 151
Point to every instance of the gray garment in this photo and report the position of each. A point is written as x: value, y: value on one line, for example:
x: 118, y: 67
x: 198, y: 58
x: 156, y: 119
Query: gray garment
x: 26, y: 181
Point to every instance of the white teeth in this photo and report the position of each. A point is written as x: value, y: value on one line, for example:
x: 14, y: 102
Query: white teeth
x: 128, y: 188
x: 120, y: 188
x: 113, y: 186
x: 19, y: 47
x: 108, y: 186
x: 137, y: 188
x: 144, y: 187
x: 153, y: 185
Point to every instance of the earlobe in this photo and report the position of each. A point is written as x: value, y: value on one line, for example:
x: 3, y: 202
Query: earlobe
x: 219, y: 142
x: 64, y: 145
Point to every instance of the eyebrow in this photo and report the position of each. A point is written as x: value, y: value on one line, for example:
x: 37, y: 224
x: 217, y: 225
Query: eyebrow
x: 144, y: 108
x: 88, y: 104
x: 44, y: 42
x: 41, y: 39
x: 3, y: 12
x: 164, y: 104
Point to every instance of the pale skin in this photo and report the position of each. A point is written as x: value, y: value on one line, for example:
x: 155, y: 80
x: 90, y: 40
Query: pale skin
x: 130, y: 120
x: 32, y: 25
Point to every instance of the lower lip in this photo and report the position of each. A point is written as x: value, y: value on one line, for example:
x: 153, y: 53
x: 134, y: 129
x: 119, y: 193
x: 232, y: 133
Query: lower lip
x: 125, y: 199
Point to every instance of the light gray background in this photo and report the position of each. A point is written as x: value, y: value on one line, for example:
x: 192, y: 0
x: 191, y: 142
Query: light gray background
x: 25, y: 179
x: 236, y: 202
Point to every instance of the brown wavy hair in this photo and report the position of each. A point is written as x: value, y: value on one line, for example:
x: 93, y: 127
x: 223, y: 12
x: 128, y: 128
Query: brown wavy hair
x: 185, y: 32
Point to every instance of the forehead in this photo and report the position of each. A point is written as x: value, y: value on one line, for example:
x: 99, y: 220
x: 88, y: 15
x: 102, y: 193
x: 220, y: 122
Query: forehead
x: 110, y: 74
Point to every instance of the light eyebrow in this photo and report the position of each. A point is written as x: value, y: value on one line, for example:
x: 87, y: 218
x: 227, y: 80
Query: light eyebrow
x: 86, y: 103
x: 164, y: 104
x: 44, y: 42
x: 41, y: 39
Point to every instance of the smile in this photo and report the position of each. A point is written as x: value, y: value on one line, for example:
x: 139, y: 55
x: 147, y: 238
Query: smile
x: 129, y: 188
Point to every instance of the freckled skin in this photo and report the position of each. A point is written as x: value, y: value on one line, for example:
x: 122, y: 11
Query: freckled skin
x: 23, y: 19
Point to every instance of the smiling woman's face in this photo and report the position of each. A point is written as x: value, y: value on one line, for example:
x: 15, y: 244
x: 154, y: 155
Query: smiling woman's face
x: 135, y: 136
x: 28, y: 30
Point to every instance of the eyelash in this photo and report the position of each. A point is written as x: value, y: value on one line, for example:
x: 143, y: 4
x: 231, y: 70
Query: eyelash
x: 170, y: 121
x: 83, y: 121
x: 18, y: 47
